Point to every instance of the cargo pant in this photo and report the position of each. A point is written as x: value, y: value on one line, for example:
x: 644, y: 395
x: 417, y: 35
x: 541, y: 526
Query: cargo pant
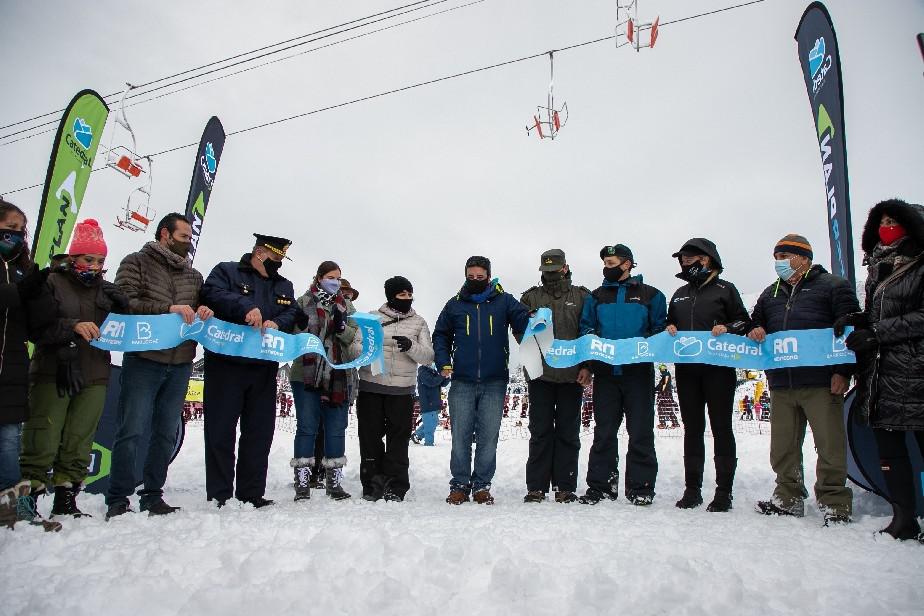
x: 59, y: 434
x: 824, y: 412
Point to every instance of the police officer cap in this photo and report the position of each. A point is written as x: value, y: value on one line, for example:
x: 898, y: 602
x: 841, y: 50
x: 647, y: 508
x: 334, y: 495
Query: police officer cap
x: 552, y: 260
x: 279, y: 245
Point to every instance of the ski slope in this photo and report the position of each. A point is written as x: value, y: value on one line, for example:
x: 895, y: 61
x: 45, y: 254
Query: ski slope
x: 426, y: 557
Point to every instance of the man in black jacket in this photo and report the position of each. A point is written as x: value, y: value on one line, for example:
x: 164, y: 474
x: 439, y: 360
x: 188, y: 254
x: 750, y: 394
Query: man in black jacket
x: 247, y: 292
x: 805, y: 297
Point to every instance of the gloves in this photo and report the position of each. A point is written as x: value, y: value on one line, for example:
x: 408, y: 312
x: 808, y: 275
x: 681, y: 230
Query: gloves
x: 119, y: 300
x: 32, y: 284
x: 856, y: 319
x: 302, y: 320
x: 338, y: 320
x: 68, y: 378
x: 862, y: 341
x: 403, y: 342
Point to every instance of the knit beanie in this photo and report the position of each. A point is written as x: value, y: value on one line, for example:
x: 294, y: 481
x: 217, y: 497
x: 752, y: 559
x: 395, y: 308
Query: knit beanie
x: 794, y: 244
x: 87, y: 239
x: 395, y: 285
x: 478, y: 261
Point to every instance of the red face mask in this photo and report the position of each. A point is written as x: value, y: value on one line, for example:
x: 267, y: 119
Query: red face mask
x: 890, y: 235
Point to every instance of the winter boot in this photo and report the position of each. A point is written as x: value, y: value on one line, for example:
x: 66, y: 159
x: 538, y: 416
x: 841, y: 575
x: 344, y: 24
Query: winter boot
x: 118, y: 508
x: 724, y: 479
x: 317, y: 475
x: 8, y: 515
x: 693, y: 481
x: 899, y: 480
x: 258, y: 502
x: 332, y: 478
x: 157, y: 506
x: 534, y: 496
x: 774, y: 506
x: 483, y: 497
x: 65, y: 502
x: 564, y: 496
x: 457, y: 497
x: 27, y: 507
x: 593, y: 496
x: 302, y: 469
x: 389, y: 493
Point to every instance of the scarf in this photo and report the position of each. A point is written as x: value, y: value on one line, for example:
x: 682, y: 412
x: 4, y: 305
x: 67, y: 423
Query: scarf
x: 883, y: 260
x: 331, y: 383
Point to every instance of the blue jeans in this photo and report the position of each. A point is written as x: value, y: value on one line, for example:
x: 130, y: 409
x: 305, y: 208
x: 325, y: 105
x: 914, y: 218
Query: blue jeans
x: 10, y: 444
x: 309, y: 409
x: 150, y: 404
x: 428, y: 421
x: 475, y: 409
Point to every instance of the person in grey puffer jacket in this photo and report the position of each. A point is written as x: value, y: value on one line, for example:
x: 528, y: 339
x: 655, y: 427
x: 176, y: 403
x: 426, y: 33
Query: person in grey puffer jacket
x: 385, y: 404
x: 158, y: 279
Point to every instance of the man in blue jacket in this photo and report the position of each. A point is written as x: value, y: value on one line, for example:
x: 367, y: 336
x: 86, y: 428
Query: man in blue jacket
x: 470, y: 343
x: 623, y: 307
x: 247, y: 292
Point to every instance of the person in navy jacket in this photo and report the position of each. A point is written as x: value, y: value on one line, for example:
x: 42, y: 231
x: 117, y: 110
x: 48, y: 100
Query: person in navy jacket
x: 623, y: 307
x: 247, y: 292
x: 470, y: 345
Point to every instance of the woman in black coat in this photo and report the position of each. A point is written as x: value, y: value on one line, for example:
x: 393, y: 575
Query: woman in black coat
x: 706, y: 303
x: 22, y: 287
x: 889, y: 343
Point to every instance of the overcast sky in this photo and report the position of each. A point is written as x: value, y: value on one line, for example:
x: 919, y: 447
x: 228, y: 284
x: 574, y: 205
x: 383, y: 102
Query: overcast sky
x: 709, y: 134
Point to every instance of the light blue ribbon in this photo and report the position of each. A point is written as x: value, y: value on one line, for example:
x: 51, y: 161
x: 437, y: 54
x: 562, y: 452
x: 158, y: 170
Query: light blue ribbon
x: 132, y: 333
x: 787, y: 349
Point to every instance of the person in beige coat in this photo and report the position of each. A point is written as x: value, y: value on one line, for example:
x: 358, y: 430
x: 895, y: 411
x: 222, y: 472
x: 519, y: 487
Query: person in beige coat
x: 385, y: 403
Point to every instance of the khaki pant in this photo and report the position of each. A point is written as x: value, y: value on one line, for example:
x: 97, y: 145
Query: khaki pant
x: 59, y: 433
x: 824, y: 412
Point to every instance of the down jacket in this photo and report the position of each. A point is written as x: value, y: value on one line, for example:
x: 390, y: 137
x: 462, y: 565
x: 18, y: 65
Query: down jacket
x: 890, y: 388
x: 815, y: 302
x: 154, y: 279
x: 74, y: 302
x: 400, y: 368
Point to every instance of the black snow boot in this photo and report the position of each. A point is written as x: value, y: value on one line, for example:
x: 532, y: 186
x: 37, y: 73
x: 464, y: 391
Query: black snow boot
x: 724, y: 479
x: 158, y: 506
x: 899, y: 480
x: 332, y: 487
x: 302, y: 482
x: 317, y: 475
x: 693, y: 481
x: 65, y: 502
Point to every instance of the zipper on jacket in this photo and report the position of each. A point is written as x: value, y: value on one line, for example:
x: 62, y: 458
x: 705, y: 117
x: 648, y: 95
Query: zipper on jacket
x: 478, y: 325
x: 789, y: 304
x: 468, y: 329
x: 491, y: 324
x: 6, y: 317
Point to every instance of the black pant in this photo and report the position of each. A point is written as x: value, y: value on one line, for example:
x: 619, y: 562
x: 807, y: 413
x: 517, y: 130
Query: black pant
x: 554, y: 436
x: 700, y: 386
x: 629, y: 395
x: 893, y: 451
x: 383, y: 415
x: 238, y: 391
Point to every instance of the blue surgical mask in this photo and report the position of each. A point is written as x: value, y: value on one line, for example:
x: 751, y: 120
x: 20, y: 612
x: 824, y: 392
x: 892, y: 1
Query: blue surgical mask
x: 783, y: 269
x: 331, y: 285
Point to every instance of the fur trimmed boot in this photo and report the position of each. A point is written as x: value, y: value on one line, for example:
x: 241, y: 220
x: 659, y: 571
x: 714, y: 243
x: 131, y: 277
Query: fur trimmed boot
x: 302, y: 467
x: 333, y: 475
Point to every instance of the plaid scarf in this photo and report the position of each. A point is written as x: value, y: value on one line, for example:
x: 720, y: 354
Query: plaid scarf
x: 331, y: 383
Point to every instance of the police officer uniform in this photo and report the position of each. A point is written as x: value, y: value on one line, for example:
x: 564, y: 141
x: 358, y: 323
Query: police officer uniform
x: 243, y: 389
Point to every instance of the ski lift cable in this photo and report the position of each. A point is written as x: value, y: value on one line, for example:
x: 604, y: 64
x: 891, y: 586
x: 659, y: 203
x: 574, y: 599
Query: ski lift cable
x: 409, y: 87
x: 252, y: 51
x: 244, y: 70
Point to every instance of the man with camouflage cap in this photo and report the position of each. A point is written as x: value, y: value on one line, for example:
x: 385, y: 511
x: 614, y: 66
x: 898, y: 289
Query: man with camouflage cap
x: 555, y: 413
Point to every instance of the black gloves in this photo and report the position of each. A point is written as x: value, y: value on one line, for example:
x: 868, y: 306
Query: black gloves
x: 339, y: 320
x: 302, y: 320
x: 68, y: 378
x: 30, y: 287
x: 403, y: 342
x: 119, y: 300
x: 855, y: 319
x: 862, y: 341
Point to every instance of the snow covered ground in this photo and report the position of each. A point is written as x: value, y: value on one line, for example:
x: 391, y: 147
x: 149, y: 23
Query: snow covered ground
x: 426, y: 557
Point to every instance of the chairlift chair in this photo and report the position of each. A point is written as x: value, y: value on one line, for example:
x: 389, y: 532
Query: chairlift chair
x: 548, y: 117
x: 120, y: 157
x: 627, y: 15
x: 138, y: 213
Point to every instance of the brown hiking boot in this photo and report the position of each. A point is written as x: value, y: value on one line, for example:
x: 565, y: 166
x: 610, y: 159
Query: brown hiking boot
x: 565, y: 497
x: 8, y: 515
x: 483, y: 497
x: 457, y: 497
x: 27, y: 511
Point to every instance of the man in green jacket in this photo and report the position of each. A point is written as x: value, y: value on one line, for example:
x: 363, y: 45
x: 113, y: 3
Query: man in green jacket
x: 555, y: 395
x: 158, y: 279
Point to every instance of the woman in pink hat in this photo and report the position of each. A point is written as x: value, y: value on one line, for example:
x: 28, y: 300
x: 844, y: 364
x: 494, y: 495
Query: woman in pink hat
x: 68, y: 377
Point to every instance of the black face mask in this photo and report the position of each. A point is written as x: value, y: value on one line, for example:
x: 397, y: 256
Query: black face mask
x: 612, y: 274
x: 401, y: 305
x: 10, y: 242
x: 695, y: 273
x: 272, y: 267
x: 475, y: 287
x: 552, y: 277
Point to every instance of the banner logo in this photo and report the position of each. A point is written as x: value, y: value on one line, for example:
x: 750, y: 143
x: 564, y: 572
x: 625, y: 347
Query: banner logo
x: 114, y: 329
x: 210, y: 163
x: 816, y: 56
x: 83, y: 132
x: 688, y: 347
